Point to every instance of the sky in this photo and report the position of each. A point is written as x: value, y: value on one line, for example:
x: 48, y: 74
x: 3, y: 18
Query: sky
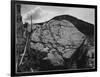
x: 41, y: 13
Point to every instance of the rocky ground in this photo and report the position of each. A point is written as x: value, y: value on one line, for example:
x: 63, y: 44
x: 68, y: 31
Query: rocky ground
x: 53, y: 45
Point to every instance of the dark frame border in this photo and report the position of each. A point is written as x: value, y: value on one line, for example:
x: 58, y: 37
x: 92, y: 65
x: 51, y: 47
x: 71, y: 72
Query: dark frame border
x: 13, y: 3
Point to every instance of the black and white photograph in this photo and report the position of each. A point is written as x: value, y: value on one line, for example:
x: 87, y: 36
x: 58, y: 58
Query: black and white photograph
x: 54, y: 38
